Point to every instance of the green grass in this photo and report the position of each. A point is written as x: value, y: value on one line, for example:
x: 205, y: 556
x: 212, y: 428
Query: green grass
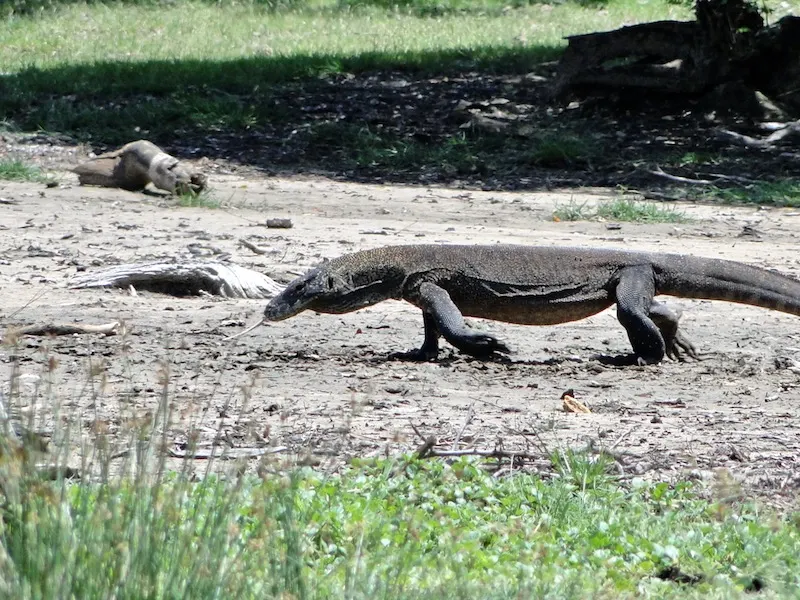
x: 131, y: 33
x: 457, y: 155
x: 620, y: 209
x: 205, y: 199
x: 778, y: 193
x: 17, y: 170
x: 107, y: 72
x: 624, y: 209
x: 390, y: 529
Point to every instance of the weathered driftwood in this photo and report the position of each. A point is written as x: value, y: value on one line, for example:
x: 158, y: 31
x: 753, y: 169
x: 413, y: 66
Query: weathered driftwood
x: 64, y: 329
x: 135, y: 165
x: 187, y: 279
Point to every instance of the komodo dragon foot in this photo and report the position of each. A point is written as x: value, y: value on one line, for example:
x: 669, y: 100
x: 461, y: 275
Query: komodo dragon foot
x: 479, y: 345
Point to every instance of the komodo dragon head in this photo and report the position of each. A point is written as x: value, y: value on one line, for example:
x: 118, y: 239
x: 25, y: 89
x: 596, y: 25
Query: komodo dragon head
x: 337, y: 286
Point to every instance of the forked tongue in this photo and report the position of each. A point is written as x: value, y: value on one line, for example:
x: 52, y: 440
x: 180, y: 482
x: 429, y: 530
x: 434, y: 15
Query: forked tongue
x: 246, y: 331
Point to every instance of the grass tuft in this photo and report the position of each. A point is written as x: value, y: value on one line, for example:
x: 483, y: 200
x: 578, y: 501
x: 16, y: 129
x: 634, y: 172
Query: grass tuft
x: 778, y: 193
x: 621, y: 209
x: 204, y: 199
x: 16, y: 170
x: 625, y: 209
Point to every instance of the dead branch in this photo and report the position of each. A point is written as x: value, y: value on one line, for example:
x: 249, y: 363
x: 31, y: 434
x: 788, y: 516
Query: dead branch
x: 64, y: 329
x: 135, y: 165
x: 192, y: 279
x: 678, y: 179
x: 495, y: 453
x: 226, y: 454
x: 252, y: 246
x: 618, y: 441
x: 767, y: 143
x: 740, y: 139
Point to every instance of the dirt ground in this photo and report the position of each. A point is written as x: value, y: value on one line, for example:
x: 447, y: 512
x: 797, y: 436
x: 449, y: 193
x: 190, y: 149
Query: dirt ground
x: 322, y: 386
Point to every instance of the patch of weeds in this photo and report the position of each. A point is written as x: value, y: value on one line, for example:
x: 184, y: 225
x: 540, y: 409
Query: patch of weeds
x: 16, y: 170
x: 696, y: 158
x: 583, y: 470
x: 573, y: 211
x: 202, y: 200
x: 625, y: 209
x: 621, y: 209
x: 363, y: 147
x: 768, y: 193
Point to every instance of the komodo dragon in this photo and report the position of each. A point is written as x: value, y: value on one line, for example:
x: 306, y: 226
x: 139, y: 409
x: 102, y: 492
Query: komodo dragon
x: 532, y: 285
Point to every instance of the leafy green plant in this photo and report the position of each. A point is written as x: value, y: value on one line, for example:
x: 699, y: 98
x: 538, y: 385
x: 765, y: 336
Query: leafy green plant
x: 625, y: 209
x: 778, y: 193
x: 560, y: 150
x: 204, y: 199
x: 620, y: 209
x: 573, y: 211
x: 17, y: 170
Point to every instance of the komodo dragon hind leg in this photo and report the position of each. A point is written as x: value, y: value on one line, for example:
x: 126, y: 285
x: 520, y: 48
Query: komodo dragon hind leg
x: 443, y: 317
x: 634, y: 295
x: 667, y: 322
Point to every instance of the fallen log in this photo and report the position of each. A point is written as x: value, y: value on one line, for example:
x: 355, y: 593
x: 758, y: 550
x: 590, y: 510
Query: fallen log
x: 135, y: 165
x: 728, y: 44
x: 192, y: 279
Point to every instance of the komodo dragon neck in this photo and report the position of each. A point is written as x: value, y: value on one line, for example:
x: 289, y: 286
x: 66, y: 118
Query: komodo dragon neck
x: 532, y: 285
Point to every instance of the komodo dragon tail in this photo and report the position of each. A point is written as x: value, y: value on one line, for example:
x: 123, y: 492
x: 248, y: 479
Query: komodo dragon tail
x: 715, y: 279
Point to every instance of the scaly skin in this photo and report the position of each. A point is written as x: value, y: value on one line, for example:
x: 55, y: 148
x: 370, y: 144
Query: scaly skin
x: 532, y: 285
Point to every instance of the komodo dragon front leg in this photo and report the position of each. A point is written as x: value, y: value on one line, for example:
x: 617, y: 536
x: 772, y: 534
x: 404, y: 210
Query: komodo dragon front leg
x: 652, y: 327
x: 442, y: 317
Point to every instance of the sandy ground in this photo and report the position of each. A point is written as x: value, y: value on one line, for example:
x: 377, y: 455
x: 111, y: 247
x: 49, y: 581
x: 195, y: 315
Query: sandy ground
x: 321, y: 385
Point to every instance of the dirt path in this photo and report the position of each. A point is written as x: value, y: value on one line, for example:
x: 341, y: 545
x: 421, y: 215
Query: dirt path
x: 322, y: 386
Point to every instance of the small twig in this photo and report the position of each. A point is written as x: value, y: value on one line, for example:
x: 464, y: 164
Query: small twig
x: 625, y: 434
x: 467, y: 421
x: 28, y: 303
x: 417, y: 431
x: 252, y: 246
